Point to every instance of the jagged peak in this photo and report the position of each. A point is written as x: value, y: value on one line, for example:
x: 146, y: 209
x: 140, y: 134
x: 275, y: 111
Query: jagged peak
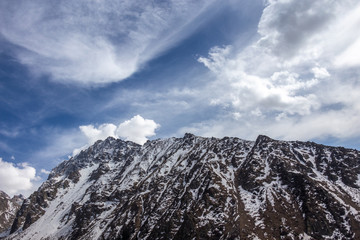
x: 189, y: 135
x: 108, y: 140
x: 4, y: 194
x: 263, y: 138
x: 190, y: 138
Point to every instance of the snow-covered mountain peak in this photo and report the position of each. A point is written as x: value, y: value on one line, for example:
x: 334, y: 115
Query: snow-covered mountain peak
x: 198, y: 188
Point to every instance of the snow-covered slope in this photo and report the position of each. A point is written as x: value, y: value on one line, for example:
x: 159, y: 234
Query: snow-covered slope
x: 198, y: 188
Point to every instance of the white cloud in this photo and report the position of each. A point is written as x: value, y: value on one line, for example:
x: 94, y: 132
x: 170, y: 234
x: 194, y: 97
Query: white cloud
x: 281, y: 84
x: 137, y: 129
x: 236, y: 115
x: 299, y: 32
x: 61, y: 143
x: 320, y: 72
x: 346, y: 47
x: 15, y: 179
x: 102, y: 132
x: 93, y: 134
x: 350, y: 57
x: 287, y: 26
x: 95, y: 42
x: 44, y: 171
x: 342, y: 124
x: 281, y: 91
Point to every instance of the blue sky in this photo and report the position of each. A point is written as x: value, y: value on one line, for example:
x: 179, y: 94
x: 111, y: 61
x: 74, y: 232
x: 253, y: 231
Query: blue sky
x: 74, y: 72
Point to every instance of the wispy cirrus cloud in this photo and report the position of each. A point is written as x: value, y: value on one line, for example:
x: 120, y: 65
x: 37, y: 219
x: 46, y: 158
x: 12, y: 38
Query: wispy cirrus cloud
x: 95, y: 42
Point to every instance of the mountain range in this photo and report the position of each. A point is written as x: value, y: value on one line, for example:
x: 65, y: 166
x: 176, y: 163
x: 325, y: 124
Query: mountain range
x: 197, y: 188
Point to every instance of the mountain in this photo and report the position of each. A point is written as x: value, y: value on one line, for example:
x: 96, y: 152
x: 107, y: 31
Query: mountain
x: 198, y: 188
x: 8, y: 209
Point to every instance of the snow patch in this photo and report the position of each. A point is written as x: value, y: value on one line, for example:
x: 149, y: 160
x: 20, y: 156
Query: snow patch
x: 252, y: 206
x: 50, y: 224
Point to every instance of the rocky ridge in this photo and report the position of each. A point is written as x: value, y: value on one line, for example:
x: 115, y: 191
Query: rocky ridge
x: 198, y: 188
x: 8, y: 209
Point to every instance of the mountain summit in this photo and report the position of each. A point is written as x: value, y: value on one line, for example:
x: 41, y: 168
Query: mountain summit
x: 198, y: 188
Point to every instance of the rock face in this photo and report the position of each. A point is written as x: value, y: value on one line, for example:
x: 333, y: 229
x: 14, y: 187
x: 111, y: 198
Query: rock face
x: 198, y: 188
x: 8, y: 209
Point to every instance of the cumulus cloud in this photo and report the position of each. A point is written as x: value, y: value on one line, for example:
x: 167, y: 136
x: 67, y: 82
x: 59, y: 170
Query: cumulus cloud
x: 281, y: 91
x: 137, y: 129
x: 296, y: 80
x: 102, y: 132
x: 95, y: 42
x: 15, y: 179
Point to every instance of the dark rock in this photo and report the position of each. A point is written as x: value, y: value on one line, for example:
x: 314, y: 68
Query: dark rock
x: 8, y: 209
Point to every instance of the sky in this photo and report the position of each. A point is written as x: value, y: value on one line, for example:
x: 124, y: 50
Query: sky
x: 73, y: 72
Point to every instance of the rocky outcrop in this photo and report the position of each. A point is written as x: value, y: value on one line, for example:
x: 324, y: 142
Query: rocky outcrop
x: 8, y: 209
x: 198, y: 188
